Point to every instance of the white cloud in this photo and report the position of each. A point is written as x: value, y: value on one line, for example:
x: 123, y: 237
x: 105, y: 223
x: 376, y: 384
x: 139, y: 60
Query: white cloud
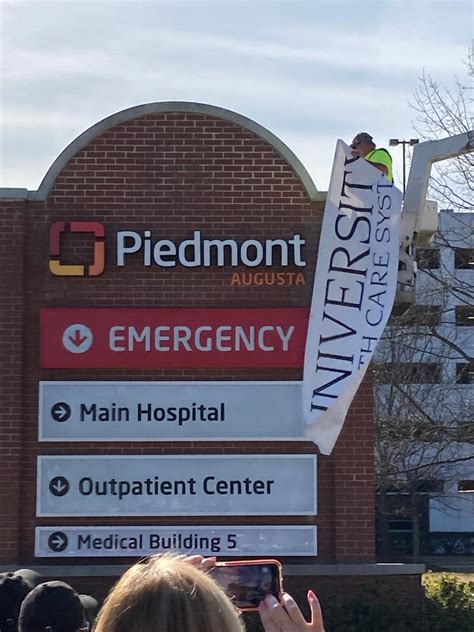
x: 329, y: 50
x: 388, y: 50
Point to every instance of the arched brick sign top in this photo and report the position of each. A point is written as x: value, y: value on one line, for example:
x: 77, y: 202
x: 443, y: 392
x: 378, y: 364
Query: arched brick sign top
x: 139, y: 111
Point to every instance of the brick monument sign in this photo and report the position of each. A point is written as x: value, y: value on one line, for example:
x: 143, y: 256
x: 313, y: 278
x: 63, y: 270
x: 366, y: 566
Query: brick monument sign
x: 155, y: 293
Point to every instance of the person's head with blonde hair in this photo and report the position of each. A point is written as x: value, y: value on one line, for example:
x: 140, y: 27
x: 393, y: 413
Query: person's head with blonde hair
x: 167, y: 594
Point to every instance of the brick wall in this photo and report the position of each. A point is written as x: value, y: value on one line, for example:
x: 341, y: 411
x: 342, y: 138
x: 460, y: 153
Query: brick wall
x: 172, y: 173
x: 11, y: 374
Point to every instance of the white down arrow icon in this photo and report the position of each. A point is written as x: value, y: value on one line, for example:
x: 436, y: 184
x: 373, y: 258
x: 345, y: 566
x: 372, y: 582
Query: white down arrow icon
x: 59, y: 486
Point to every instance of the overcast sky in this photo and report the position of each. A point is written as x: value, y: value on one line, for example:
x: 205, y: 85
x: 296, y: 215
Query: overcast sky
x: 311, y: 71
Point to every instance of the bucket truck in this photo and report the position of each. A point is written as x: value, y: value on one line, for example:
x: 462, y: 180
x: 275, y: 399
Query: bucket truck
x: 419, y: 220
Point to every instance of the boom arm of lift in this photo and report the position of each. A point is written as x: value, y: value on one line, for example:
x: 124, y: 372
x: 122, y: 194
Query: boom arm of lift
x: 424, y: 155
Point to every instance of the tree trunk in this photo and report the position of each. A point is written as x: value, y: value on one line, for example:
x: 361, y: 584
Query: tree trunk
x: 415, y: 517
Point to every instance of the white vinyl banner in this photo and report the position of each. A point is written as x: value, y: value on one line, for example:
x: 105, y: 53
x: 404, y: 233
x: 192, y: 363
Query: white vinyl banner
x: 353, y: 293
x: 123, y: 541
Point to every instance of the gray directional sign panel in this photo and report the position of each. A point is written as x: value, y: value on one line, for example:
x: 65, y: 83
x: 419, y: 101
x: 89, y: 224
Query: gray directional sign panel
x: 229, y: 541
x: 153, y: 411
x: 231, y: 485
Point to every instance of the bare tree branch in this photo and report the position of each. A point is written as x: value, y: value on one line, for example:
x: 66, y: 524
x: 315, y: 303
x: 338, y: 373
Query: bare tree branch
x: 424, y: 428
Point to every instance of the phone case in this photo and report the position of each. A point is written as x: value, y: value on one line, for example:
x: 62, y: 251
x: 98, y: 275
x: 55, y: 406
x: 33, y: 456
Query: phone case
x: 272, y: 562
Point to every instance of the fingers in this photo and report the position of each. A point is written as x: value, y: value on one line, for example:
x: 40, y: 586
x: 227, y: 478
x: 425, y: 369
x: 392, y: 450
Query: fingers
x: 294, y: 613
x: 277, y: 614
x: 287, y: 617
x: 208, y: 563
x: 181, y: 557
x: 266, y: 618
x: 199, y: 561
x: 316, y: 624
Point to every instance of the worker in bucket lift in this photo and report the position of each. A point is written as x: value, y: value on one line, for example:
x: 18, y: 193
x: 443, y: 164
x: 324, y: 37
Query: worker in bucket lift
x: 363, y: 146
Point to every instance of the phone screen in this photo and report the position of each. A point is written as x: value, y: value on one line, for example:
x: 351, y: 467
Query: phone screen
x: 247, y: 584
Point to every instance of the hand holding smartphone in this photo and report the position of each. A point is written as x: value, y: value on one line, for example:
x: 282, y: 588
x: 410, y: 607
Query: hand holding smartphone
x: 247, y: 582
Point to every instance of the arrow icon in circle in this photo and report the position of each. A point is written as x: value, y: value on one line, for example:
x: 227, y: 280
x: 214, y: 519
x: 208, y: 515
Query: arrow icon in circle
x: 58, y: 541
x: 60, y: 411
x: 59, y: 486
x: 77, y: 338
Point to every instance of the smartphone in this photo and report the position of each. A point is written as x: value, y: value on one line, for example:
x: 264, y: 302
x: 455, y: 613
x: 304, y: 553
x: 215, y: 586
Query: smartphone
x: 247, y: 582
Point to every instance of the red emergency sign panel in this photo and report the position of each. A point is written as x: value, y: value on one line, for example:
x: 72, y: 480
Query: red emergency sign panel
x: 165, y: 338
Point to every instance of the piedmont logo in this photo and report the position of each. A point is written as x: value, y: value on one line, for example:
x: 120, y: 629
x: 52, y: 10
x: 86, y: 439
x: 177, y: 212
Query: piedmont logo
x: 195, y: 251
x: 60, y: 269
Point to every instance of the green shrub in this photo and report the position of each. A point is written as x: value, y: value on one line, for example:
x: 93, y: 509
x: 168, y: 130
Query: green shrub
x: 450, y: 600
x: 448, y: 607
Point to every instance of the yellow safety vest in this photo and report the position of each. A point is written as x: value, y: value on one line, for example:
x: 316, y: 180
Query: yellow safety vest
x: 382, y: 157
